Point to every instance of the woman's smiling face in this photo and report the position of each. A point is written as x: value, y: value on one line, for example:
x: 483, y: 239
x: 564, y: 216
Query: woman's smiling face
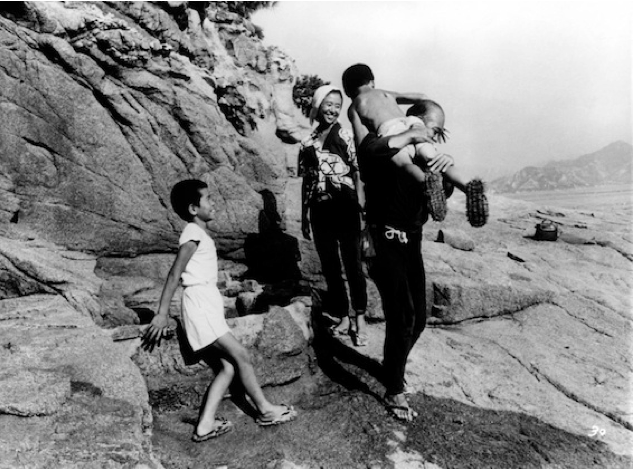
x: 330, y: 108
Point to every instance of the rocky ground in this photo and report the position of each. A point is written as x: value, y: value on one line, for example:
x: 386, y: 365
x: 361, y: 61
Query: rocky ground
x: 527, y: 365
x: 526, y: 362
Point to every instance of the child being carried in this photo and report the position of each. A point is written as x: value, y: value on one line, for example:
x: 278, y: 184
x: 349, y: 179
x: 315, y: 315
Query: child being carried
x: 378, y: 111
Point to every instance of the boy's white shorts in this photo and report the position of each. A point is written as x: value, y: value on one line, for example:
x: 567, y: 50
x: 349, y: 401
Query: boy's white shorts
x: 203, y: 315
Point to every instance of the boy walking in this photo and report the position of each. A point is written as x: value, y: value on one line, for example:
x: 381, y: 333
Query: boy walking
x: 196, y: 266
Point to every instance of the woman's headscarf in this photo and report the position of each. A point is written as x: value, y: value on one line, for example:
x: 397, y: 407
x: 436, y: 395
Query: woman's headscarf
x: 319, y: 95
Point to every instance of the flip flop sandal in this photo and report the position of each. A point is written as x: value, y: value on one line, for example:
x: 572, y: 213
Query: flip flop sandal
x: 392, y: 408
x: 334, y: 331
x: 289, y: 414
x: 436, y: 199
x: 358, y: 340
x: 223, y: 427
x: 477, y: 203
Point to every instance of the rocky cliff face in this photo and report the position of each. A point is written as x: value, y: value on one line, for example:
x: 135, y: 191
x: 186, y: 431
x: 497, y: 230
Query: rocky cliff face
x: 105, y: 105
x: 610, y: 165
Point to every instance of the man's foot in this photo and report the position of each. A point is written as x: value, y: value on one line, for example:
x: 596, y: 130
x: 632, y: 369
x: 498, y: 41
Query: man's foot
x: 221, y: 426
x: 278, y: 415
x: 342, y: 328
x: 477, y: 203
x: 399, y: 408
x: 435, y: 194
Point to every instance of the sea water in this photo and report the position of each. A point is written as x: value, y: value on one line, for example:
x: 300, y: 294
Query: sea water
x: 612, y: 197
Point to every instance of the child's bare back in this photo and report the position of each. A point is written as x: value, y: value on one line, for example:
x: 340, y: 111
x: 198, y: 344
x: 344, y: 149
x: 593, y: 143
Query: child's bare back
x: 375, y: 107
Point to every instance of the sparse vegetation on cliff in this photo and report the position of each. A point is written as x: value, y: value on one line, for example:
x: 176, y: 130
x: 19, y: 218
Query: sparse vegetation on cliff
x: 303, y: 91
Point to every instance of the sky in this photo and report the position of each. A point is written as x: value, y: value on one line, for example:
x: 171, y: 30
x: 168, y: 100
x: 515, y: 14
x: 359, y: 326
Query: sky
x: 522, y: 83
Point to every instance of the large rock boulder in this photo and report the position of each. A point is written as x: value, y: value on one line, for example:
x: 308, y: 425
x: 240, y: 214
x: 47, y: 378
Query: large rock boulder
x: 107, y: 105
x: 68, y: 397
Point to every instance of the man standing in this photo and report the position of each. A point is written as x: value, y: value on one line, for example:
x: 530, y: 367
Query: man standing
x: 396, y: 209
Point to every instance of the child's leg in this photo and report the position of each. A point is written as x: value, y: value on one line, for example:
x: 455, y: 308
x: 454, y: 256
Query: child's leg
x: 207, y: 417
x: 239, y: 356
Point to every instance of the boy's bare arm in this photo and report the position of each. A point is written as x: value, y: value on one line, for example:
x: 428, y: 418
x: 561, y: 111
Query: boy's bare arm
x: 159, y: 323
x: 360, y: 130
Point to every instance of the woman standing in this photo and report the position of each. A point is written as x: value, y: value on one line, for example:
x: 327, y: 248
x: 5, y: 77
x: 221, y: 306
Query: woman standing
x: 332, y: 199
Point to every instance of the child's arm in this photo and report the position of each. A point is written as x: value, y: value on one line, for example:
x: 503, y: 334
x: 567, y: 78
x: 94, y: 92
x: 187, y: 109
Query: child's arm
x: 409, y: 98
x: 158, y: 326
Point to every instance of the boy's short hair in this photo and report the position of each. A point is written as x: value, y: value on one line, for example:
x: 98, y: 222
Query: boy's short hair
x: 184, y: 194
x: 355, y: 76
x: 423, y: 107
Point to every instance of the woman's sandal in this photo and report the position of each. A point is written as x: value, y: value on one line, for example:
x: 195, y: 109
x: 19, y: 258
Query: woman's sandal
x: 334, y: 331
x: 477, y: 203
x: 223, y: 427
x: 289, y: 414
x: 358, y: 340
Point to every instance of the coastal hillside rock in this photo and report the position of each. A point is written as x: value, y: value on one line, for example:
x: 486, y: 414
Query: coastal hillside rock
x: 610, y: 165
x: 105, y: 105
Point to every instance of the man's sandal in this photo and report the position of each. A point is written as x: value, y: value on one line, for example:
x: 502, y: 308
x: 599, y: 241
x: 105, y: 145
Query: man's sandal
x: 393, y: 407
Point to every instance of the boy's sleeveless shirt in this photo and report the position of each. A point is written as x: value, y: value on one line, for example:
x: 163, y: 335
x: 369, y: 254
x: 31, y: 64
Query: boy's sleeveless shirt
x: 202, y: 268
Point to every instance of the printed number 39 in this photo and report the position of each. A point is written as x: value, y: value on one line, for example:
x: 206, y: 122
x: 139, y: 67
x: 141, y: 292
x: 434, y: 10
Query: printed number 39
x: 596, y: 431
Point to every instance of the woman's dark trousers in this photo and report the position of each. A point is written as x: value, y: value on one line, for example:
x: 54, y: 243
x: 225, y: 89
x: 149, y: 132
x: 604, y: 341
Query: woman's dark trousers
x: 336, y: 229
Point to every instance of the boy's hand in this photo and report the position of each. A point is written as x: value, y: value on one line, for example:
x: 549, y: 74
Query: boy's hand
x: 440, y: 163
x: 157, y: 329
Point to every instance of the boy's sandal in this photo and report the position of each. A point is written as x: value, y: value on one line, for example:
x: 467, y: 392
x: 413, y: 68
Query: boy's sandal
x: 223, y: 427
x: 477, y: 203
x: 289, y: 414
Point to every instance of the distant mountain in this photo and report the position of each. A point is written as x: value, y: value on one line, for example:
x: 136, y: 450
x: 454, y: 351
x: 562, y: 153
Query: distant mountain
x: 610, y: 165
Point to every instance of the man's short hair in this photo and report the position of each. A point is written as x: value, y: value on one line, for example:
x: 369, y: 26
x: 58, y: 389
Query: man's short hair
x: 184, y: 194
x: 355, y: 76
